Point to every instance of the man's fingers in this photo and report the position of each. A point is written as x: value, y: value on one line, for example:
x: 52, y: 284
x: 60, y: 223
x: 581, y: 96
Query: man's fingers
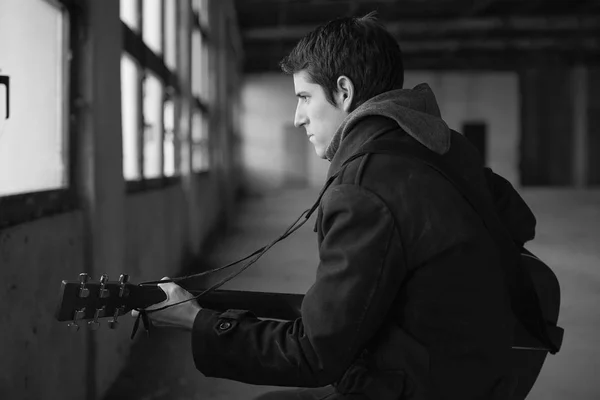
x: 164, y: 287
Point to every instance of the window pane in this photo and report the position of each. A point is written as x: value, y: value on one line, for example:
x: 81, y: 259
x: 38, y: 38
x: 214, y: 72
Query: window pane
x: 33, y: 145
x: 184, y: 128
x: 204, y: 20
x: 152, y: 29
x: 200, y: 157
x: 169, y: 142
x: 153, y: 125
x: 130, y: 114
x: 171, y: 34
x: 204, y: 71
x: 201, y: 6
x: 129, y: 14
x: 200, y: 75
x: 197, y: 126
x: 200, y: 154
x: 196, y: 64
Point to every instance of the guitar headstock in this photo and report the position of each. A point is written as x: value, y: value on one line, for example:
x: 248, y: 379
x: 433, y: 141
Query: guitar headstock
x: 88, y: 300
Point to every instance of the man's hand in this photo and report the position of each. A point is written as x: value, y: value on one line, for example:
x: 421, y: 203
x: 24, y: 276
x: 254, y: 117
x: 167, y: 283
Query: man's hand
x: 180, y: 316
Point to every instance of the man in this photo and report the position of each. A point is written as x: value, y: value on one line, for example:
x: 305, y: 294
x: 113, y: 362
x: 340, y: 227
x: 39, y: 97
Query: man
x: 409, y: 300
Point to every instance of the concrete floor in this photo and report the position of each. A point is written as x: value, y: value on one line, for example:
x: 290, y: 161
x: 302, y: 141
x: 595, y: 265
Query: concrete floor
x: 568, y: 239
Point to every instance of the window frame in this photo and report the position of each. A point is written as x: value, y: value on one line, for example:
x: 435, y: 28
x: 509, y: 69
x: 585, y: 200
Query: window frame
x: 147, y: 60
x: 21, y: 208
x: 198, y: 104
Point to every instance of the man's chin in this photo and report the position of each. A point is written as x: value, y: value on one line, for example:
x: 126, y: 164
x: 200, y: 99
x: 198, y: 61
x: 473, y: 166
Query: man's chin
x: 321, y: 153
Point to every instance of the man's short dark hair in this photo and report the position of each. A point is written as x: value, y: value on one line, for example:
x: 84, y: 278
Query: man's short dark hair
x: 359, y: 48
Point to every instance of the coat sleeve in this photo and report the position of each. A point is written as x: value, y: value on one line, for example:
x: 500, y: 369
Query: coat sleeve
x: 512, y: 209
x: 357, y: 279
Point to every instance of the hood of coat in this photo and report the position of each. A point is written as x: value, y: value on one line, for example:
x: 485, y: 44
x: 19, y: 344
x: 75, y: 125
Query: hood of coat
x: 415, y: 110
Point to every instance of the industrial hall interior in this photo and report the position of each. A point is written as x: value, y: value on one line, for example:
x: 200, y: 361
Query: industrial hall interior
x: 143, y: 139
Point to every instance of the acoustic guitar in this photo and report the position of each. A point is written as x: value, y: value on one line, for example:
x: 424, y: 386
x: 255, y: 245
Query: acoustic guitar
x: 528, y: 353
x: 87, y: 302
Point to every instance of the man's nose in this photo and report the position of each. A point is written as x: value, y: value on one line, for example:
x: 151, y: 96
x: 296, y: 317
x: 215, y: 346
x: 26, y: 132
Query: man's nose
x: 299, y: 118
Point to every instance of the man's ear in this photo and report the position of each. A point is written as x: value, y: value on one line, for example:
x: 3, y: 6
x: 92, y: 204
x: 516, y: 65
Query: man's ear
x: 345, y: 92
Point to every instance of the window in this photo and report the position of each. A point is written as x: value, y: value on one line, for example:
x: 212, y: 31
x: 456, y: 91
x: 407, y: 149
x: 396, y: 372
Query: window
x: 200, y: 149
x: 200, y: 88
x: 130, y: 14
x: 150, y: 91
x: 171, y: 34
x: 170, y: 148
x: 200, y: 7
x: 33, y: 151
x: 130, y: 105
x: 35, y: 175
x: 153, y: 125
x: 152, y: 31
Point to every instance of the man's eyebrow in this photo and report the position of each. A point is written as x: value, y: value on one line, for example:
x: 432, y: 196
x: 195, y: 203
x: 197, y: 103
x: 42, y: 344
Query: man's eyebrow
x: 300, y: 94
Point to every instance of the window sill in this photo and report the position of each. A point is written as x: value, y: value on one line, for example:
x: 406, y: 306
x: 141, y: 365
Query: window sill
x: 21, y: 208
x: 146, y: 185
x: 203, y: 173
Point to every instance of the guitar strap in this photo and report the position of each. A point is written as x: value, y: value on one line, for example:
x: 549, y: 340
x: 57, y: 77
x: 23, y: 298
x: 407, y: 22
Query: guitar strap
x: 524, y: 300
x: 143, y: 315
x: 523, y: 296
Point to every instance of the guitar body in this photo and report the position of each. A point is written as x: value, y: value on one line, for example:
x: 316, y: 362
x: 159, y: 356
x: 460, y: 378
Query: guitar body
x: 528, y: 355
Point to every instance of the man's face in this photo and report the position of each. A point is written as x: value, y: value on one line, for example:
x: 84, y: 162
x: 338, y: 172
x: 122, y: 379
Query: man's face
x: 319, y: 117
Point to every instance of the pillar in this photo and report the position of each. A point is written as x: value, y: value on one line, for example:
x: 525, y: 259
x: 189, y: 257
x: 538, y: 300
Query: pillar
x: 547, y: 137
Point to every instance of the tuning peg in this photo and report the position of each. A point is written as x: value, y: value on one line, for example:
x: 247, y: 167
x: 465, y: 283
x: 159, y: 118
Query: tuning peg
x: 113, y: 323
x: 73, y: 326
x: 94, y: 324
x: 123, y: 291
x: 83, y: 279
x: 104, y: 293
x: 79, y: 314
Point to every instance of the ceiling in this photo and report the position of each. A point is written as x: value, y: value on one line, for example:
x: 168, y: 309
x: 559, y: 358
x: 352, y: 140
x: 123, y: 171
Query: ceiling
x: 435, y: 34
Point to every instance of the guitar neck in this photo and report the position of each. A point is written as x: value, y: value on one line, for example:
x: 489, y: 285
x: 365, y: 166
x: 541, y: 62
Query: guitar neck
x: 113, y: 298
x: 263, y: 304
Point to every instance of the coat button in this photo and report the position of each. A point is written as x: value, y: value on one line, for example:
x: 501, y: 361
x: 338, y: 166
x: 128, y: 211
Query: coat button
x: 224, y: 325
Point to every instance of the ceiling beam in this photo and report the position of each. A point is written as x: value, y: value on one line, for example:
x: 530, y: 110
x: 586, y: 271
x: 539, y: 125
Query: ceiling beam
x: 589, y: 44
x: 412, y: 27
x: 467, y: 52
x: 479, y: 7
x: 589, y: 6
x: 509, y: 60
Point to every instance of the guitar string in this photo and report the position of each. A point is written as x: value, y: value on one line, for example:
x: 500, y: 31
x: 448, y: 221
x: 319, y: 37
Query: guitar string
x: 258, y: 253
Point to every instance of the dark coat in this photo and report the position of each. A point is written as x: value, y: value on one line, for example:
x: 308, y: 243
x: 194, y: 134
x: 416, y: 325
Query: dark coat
x: 409, y: 300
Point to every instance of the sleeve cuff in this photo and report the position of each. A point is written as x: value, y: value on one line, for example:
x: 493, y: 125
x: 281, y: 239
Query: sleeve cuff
x: 211, y: 327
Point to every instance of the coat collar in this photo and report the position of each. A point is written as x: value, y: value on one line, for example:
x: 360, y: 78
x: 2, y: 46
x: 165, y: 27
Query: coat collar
x: 363, y: 131
x: 414, y: 111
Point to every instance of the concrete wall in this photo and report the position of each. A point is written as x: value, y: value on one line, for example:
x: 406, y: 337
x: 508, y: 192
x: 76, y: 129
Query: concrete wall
x: 489, y: 97
x: 34, y: 258
x: 592, y: 115
x: 147, y: 234
x: 560, y: 126
x: 268, y: 106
